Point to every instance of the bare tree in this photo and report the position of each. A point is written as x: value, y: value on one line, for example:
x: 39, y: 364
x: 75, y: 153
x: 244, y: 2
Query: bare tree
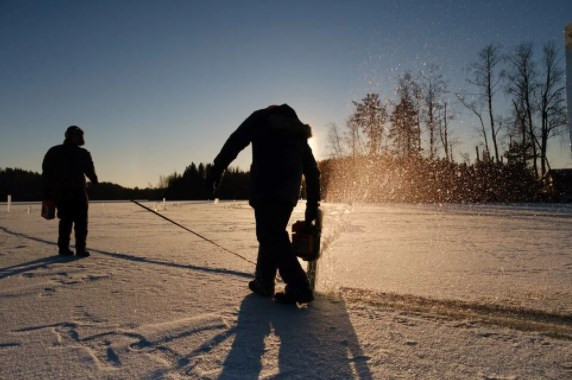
x: 353, y: 136
x: 551, y: 101
x: 522, y: 83
x: 520, y: 125
x: 443, y: 129
x: 335, y: 143
x: 465, y: 157
x: 485, y: 76
x: 433, y: 88
x: 519, y: 147
x: 477, y: 110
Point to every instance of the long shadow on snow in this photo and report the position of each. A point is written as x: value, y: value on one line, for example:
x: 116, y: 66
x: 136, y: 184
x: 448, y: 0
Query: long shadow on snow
x: 34, y: 264
x: 315, y: 342
x: 43, y: 262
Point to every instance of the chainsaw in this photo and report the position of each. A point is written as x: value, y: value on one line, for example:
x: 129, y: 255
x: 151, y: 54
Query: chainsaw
x: 306, y: 238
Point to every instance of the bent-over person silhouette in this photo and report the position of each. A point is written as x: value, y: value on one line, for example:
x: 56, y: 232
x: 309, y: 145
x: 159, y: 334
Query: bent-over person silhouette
x: 280, y: 156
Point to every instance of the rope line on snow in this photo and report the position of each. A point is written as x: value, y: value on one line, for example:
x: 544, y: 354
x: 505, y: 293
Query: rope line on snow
x: 191, y: 231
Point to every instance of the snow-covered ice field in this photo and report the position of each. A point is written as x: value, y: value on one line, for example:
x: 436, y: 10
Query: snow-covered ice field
x: 404, y: 291
x: 519, y: 256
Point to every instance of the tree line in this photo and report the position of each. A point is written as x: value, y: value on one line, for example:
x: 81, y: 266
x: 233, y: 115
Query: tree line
x: 417, y: 179
x: 403, y: 149
x: 26, y: 186
x: 191, y: 184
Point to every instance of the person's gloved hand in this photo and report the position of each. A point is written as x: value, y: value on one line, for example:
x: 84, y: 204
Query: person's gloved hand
x: 311, y: 212
x: 48, y: 195
x: 213, y: 180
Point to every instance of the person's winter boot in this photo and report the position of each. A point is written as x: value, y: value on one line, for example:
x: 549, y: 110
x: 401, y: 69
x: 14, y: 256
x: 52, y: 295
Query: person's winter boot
x: 82, y: 253
x: 65, y: 252
x: 292, y: 296
x: 263, y: 288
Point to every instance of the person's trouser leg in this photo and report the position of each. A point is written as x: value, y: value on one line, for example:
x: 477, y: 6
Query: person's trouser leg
x: 80, y: 224
x: 65, y: 225
x: 266, y: 263
x: 276, y: 251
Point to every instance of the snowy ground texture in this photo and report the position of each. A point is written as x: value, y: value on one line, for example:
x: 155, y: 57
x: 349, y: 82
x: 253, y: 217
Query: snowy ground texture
x: 403, y: 292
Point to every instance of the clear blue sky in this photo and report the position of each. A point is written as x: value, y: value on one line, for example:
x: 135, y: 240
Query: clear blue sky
x: 158, y: 84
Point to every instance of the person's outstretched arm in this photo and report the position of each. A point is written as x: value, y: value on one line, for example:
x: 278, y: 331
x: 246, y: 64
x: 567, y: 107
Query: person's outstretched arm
x: 237, y: 141
x: 89, y: 169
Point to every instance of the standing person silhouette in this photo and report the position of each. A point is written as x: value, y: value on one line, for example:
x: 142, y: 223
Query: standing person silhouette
x: 280, y: 156
x: 63, y: 170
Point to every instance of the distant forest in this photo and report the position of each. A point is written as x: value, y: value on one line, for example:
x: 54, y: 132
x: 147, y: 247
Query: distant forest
x: 404, y: 149
x: 349, y: 179
x: 24, y: 185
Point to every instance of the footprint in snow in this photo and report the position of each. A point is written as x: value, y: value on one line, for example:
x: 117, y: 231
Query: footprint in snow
x: 48, y: 291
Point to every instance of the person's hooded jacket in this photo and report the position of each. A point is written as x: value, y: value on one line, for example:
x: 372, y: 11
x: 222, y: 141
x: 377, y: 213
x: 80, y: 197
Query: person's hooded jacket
x: 280, y: 155
x: 64, y: 169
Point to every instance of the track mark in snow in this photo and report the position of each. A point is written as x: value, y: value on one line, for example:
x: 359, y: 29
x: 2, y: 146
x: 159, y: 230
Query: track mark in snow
x: 351, y: 228
x: 465, y: 324
x: 68, y: 333
x: 176, y: 342
x: 87, y: 317
x: 112, y: 357
x: 405, y: 321
x: 498, y: 377
x: 48, y: 291
x: 68, y: 282
x: 40, y: 327
x: 9, y: 345
x: 550, y: 324
x: 96, y: 277
x: 567, y: 366
x: 180, y: 345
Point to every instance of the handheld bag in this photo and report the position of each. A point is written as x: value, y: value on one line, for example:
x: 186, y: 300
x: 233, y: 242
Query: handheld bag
x: 48, y: 209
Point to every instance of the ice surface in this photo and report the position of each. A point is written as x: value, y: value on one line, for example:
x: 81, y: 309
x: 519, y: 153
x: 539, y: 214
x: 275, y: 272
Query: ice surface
x: 404, y: 291
x: 506, y: 255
